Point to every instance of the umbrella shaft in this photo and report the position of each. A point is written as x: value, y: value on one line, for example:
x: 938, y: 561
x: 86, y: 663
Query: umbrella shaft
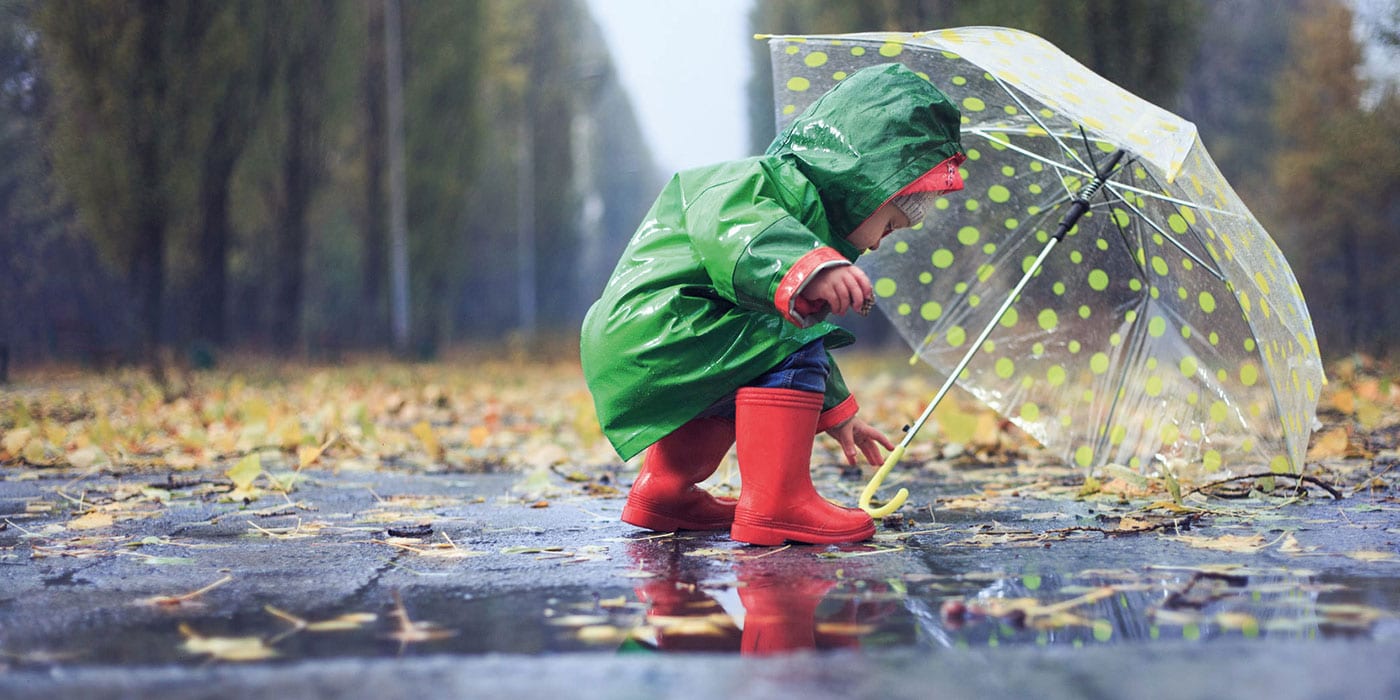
x: 977, y: 344
x: 1086, y: 193
x: 1071, y: 217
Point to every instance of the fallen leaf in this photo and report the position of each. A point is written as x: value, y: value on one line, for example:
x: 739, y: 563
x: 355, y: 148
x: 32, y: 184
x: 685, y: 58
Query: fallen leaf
x: 1292, y: 546
x: 307, y: 456
x: 92, y: 521
x: 348, y: 621
x: 15, y: 440
x: 1373, y: 556
x: 1331, y: 444
x: 478, y: 435
x: 1352, y: 614
x: 245, y: 472
x: 1240, y: 544
x: 226, y: 648
x: 424, y: 432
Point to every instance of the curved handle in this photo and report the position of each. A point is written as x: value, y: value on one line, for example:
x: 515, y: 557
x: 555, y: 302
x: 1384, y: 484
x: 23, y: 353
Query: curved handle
x: 900, y: 497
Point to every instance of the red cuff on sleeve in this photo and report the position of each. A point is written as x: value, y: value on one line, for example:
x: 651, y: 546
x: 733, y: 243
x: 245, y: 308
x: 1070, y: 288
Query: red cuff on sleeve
x: 838, y: 414
x: 796, y: 278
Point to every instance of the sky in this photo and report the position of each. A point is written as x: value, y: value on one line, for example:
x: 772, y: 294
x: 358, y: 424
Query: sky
x: 685, y: 64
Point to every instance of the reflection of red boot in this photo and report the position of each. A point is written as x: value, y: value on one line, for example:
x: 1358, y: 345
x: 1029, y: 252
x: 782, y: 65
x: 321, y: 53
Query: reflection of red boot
x: 683, y: 617
x: 780, y: 613
x: 777, y: 500
x: 665, y: 497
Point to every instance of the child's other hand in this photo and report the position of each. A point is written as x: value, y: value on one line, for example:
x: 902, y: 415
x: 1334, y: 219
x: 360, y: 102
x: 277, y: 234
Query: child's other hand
x: 857, y: 434
x: 841, y: 288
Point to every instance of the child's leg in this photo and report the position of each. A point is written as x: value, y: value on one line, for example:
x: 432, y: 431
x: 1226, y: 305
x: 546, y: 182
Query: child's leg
x: 776, y: 421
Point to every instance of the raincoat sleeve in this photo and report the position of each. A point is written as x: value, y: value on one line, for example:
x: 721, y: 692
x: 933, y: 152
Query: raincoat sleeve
x: 756, y: 252
x: 838, y: 405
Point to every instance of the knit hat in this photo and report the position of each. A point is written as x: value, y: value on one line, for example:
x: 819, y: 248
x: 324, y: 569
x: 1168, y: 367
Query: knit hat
x: 914, y: 205
x: 914, y: 199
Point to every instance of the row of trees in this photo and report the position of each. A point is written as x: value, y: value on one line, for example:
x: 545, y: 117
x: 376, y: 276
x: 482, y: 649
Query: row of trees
x: 1272, y: 85
x: 219, y: 174
x: 207, y: 175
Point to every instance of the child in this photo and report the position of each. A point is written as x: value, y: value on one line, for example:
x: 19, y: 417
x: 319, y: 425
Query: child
x: 711, y: 327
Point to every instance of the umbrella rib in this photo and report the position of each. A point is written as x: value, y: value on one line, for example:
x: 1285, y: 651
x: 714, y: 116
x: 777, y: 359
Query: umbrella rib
x: 1209, y: 267
x: 1012, y: 94
x: 1183, y: 202
x: 979, y: 131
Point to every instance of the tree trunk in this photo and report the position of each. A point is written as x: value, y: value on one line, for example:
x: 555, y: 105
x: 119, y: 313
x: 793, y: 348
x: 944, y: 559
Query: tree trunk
x: 211, y: 288
x: 290, y: 246
x: 375, y: 242
x: 148, y: 256
x: 398, y: 194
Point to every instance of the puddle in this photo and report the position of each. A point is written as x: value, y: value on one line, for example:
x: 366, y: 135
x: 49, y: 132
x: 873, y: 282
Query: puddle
x: 687, y: 597
x: 770, y: 606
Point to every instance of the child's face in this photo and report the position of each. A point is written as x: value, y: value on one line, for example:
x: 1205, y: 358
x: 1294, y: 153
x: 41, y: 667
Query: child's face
x: 884, y: 221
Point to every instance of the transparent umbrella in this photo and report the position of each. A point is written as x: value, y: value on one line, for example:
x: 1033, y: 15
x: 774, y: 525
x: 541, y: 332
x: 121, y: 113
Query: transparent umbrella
x: 1097, y: 282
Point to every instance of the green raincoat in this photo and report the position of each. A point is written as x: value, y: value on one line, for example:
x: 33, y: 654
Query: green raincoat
x: 703, y: 300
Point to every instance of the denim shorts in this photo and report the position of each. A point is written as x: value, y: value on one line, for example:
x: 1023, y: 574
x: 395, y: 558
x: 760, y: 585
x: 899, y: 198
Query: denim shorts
x: 804, y: 370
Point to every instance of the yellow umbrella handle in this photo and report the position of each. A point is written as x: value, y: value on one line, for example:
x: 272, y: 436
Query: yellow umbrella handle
x: 879, y: 478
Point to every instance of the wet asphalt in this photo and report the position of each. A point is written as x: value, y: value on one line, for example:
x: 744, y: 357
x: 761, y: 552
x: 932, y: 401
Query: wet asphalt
x: 493, y: 585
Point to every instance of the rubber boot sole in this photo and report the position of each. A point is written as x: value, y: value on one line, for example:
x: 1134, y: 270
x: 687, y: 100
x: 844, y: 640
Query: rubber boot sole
x: 776, y: 534
x: 640, y: 513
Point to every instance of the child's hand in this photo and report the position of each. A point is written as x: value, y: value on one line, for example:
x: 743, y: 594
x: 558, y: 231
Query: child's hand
x: 841, y: 289
x: 856, y: 433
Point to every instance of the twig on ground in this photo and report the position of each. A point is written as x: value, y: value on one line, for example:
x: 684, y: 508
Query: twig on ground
x: 1336, y: 495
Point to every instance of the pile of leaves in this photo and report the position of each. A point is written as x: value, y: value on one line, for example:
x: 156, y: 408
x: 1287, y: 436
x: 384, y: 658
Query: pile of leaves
x: 485, y: 414
x: 470, y: 415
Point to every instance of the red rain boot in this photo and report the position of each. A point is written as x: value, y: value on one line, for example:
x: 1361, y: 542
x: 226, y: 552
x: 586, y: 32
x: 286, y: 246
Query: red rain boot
x: 777, y: 500
x: 665, y: 497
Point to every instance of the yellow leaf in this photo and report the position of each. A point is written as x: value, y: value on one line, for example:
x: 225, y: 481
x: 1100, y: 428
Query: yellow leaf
x: 1373, y: 556
x: 478, y: 436
x: 424, y: 432
x: 1133, y: 524
x: 1331, y: 444
x: 289, y: 433
x: 86, y: 457
x: 958, y: 427
x: 55, y: 433
x: 35, y: 452
x: 988, y: 429
x: 1352, y: 614
x: 1292, y: 546
x: 245, y: 472
x: 972, y: 503
x: 226, y: 648
x: 348, y: 621
x: 307, y: 456
x: 255, y: 411
x: 1368, y: 414
x: 1242, y: 544
x: 1344, y: 401
x: 91, y: 521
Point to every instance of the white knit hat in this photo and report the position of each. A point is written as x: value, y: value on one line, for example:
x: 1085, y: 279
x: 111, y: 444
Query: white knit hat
x: 914, y: 205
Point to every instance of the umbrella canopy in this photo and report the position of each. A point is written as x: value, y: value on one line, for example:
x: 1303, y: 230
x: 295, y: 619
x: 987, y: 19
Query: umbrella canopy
x: 1166, y: 329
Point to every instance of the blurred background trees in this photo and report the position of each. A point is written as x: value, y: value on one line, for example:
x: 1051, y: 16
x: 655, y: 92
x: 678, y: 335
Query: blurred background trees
x: 213, y: 176
x: 203, y: 176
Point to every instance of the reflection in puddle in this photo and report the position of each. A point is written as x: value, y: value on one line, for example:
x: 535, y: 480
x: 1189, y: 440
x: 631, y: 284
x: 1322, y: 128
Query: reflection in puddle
x: 675, y: 594
x: 754, y: 602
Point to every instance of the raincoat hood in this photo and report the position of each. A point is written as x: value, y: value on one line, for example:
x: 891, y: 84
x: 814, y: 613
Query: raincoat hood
x: 868, y: 137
